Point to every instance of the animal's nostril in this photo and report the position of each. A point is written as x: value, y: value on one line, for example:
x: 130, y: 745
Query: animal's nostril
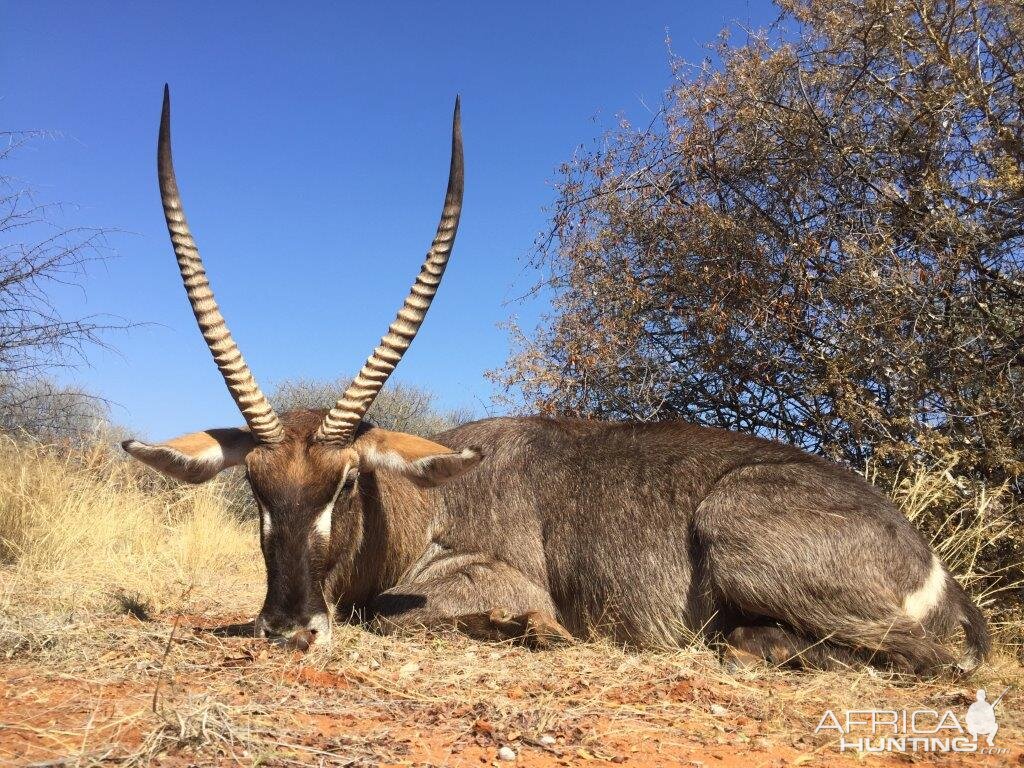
x: 278, y: 626
x: 299, y: 631
x: 302, y: 640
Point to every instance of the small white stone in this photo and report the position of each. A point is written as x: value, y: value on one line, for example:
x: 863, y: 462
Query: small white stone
x: 506, y: 753
x: 547, y: 740
x: 718, y: 710
x: 409, y: 669
x: 374, y: 664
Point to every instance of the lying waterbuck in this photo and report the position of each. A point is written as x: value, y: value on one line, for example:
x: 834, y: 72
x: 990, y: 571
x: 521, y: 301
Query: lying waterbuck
x: 548, y: 529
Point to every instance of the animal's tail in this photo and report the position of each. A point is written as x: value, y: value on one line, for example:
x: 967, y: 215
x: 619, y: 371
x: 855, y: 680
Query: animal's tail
x: 977, y: 642
x: 908, y: 644
x: 901, y: 642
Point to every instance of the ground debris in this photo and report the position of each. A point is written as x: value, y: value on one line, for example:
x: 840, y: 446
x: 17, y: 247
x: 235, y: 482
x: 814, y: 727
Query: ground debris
x: 81, y: 691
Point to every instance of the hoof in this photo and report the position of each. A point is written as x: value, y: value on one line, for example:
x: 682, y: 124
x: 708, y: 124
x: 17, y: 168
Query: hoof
x: 542, y: 632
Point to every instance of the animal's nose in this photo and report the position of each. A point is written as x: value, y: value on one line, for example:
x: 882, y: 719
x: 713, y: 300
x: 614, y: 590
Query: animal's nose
x: 278, y: 625
x: 300, y: 632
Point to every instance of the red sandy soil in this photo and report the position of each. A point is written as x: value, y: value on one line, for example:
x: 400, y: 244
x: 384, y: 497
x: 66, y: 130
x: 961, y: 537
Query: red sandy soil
x: 231, y: 700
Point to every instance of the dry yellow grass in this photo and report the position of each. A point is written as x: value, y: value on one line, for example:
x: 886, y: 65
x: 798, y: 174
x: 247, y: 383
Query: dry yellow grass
x: 974, y: 530
x: 100, y: 560
x: 92, y: 525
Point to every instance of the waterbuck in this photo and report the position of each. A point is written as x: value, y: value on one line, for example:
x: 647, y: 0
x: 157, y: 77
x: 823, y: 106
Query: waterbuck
x: 544, y: 530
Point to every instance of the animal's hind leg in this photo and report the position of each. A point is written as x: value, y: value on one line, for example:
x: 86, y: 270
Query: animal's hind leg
x: 825, y: 559
x: 486, y: 599
x: 781, y: 647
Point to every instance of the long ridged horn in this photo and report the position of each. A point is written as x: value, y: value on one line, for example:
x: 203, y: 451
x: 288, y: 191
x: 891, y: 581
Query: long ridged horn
x: 340, y: 424
x: 253, y: 404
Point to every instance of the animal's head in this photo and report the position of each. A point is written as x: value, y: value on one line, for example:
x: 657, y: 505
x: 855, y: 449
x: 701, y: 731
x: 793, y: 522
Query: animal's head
x: 310, y: 472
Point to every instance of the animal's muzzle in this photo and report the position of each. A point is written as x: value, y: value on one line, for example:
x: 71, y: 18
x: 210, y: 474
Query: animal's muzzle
x: 299, y: 632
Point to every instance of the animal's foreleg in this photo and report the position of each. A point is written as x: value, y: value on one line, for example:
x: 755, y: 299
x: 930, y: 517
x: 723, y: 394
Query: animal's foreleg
x: 536, y: 629
x: 486, y: 599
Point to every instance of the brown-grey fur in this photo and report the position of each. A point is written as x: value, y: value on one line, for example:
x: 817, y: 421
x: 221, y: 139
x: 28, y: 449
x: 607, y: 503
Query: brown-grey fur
x: 650, y: 534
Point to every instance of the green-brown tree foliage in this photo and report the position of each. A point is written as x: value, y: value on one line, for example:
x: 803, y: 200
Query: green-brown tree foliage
x: 820, y: 239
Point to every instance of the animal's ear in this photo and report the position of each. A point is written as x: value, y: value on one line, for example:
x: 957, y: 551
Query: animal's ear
x: 426, y: 463
x: 197, y: 457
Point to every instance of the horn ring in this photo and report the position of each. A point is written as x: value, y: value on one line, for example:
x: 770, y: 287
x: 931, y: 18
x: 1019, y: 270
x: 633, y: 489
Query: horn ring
x: 256, y: 409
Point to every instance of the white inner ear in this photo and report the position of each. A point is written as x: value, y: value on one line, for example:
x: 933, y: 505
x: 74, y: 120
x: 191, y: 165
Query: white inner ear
x: 390, y: 460
x: 212, y: 455
x: 323, y: 520
x: 422, y: 465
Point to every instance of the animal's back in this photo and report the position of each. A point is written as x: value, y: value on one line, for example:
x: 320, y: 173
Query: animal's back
x: 650, y: 533
x: 602, y: 514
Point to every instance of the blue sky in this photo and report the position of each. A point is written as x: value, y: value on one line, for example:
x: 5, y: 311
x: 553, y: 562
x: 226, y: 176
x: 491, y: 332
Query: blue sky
x: 311, y: 144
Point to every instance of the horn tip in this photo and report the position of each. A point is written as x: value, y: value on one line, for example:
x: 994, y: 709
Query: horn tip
x: 457, y: 131
x: 163, y: 143
x: 165, y: 112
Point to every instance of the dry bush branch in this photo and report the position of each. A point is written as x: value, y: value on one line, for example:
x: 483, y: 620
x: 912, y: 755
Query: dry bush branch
x: 820, y: 241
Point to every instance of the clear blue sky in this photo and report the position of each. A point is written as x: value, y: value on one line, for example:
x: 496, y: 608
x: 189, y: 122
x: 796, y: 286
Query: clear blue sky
x: 311, y: 144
